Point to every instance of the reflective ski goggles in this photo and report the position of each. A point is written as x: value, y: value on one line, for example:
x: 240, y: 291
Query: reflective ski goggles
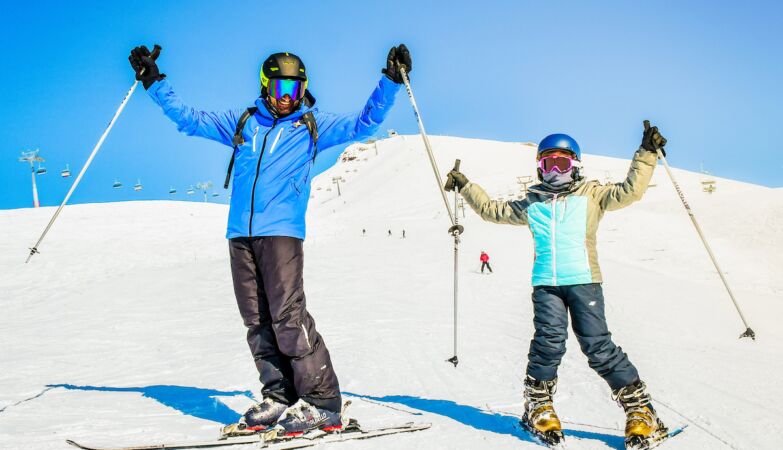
x: 559, y: 163
x: 280, y: 87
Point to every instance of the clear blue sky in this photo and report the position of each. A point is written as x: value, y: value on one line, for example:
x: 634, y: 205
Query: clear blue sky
x: 708, y: 73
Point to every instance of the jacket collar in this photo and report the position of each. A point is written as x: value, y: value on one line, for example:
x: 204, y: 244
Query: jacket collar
x: 541, y: 188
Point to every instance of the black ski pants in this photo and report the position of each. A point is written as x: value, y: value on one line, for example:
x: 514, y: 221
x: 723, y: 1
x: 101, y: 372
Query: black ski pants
x: 551, y: 305
x: 485, y: 264
x: 290, y: 355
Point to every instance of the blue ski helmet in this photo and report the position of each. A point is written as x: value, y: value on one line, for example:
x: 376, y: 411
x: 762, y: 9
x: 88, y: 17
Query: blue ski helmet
x: 559, y: 142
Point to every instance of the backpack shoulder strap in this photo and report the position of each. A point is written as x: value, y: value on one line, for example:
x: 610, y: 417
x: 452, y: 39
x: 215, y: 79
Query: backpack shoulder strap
x: 312, y: 127
x: 238, y: 140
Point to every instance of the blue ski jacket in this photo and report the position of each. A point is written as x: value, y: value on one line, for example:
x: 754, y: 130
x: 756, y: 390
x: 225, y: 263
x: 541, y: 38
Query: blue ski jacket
x: 271, y: 184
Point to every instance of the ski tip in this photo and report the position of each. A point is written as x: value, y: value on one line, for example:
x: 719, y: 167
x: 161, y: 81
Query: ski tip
x: 76, y: 444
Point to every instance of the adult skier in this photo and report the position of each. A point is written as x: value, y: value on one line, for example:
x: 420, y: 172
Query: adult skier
x: 484, y: 258
x: 275, y: 145
x: 562, y: 213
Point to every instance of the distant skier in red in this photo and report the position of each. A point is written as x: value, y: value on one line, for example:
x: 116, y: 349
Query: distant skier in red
x: 485, y: 262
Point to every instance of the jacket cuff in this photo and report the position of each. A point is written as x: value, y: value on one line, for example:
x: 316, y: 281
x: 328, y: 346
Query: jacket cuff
x: 158, y: 85
x: 647, y: 156
x: 388, y: 85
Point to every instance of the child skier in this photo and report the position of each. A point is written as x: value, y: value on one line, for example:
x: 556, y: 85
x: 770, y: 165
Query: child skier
x: 562, y: 213
x: 485, y: 262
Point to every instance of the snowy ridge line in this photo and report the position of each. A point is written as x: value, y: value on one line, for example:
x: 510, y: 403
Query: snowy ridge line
x: 27, y: 399
x: 698, y: 425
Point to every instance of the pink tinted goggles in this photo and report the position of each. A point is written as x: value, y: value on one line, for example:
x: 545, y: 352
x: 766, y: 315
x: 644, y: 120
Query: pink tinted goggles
x: 559, y: 163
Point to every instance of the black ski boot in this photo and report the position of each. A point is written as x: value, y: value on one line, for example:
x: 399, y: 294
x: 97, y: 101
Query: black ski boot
x: 258, y: 418
x: 304, y: 417
x: 540, y: 418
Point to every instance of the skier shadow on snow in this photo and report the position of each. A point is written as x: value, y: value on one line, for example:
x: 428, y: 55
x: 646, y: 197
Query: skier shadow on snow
x: 193, y: 401
x: 485, y: 421
x: 205, y: 404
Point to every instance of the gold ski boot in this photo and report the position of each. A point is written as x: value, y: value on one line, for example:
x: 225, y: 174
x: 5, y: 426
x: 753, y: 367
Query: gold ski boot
x: 643, y: 429
x: 540, y: 417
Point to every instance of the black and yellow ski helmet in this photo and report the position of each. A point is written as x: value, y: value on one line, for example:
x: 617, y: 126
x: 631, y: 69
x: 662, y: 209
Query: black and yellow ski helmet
x: 282, y: 65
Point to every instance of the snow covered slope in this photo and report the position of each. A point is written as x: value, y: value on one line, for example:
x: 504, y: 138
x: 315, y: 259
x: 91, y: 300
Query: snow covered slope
x: 125, y: 330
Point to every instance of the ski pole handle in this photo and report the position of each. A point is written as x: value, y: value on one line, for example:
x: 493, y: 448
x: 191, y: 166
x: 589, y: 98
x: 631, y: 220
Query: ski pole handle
x: 155, y: 51
x: 450, y: 181
x: 154, y: 55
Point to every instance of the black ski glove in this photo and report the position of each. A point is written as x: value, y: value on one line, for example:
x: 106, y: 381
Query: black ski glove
x: 455, y: 179
x: 397, y: 55
x: 143, y: 63
x: 652, y: 139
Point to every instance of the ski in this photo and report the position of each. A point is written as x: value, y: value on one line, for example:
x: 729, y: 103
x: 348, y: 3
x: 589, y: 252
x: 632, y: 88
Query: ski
x: 654, y: 441
x: 553, y: 440
x: 273, y: 442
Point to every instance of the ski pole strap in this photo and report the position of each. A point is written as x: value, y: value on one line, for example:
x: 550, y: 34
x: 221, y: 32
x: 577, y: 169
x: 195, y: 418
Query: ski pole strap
x: 238, y: 140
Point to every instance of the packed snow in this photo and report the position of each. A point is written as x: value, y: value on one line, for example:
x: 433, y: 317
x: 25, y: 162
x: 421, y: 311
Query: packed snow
x: 124, y: 330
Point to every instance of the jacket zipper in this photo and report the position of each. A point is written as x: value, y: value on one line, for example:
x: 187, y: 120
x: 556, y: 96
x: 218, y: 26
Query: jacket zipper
x: 255, y: 133
x: 553, y: 231
x: 255, y: 181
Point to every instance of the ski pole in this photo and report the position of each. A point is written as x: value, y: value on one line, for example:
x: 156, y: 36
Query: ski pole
x: 34, y: 249
x: 455, y: 230
x: 426, y: 142
x: 748, y: 331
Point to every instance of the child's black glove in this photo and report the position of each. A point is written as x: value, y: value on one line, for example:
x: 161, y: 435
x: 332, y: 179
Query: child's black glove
x: 652, y: 139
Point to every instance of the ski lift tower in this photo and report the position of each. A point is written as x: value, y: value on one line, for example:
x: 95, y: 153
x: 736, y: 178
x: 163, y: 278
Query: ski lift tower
x: 708, y: 182
x: 32, y: 157
x: 204, y: 187
x: 337, y: 180
x: 523, y: 182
